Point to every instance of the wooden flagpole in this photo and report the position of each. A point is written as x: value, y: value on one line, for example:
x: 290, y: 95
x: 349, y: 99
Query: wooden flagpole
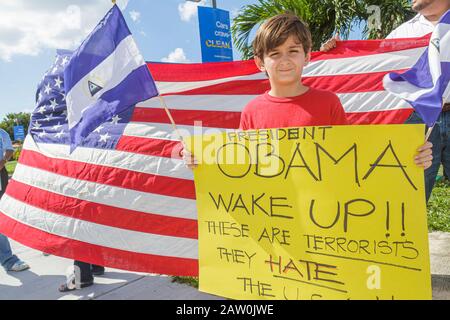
x: 428, y: 133
x: 431, y: 128
x: 174, y: 126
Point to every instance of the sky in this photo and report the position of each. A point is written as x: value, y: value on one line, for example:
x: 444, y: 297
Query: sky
x: 31, y: 31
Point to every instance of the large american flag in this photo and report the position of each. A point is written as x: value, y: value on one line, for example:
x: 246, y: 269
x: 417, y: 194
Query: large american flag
x: 124, y: 199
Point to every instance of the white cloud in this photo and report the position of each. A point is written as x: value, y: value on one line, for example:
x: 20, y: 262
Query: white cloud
x: 177, y: 56
x: 135, y: 16
x: 188, y: 9
x: 27, y: 26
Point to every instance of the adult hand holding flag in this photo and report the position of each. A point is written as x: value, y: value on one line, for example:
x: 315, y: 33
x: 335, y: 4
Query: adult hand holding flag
x: 426, y: 85
x: 106, y: 75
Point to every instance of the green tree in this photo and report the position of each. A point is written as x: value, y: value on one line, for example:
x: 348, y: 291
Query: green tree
x: 13, y: 119
x: 324, y: 17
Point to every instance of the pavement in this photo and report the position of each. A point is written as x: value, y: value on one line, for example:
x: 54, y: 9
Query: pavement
x: 47, y: 273
x: 41, y: 281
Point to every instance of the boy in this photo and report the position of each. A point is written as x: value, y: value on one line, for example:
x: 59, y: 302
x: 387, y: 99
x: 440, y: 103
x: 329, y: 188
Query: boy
x: 282, y: 48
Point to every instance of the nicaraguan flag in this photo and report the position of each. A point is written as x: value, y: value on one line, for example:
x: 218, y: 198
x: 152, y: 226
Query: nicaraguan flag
x: 426, y: 85
x: 105, y: 76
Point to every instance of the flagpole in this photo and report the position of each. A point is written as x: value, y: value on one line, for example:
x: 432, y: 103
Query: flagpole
x: 428, y: 133
x: 431, y: 128
x: 174, y: 126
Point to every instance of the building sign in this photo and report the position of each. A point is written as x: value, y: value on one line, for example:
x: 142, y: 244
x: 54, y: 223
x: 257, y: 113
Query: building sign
x: 215, y: 34
x: 19, y: 133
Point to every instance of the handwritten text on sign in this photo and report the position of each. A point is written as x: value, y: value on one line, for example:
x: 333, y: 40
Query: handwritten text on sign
x: 312, y: 213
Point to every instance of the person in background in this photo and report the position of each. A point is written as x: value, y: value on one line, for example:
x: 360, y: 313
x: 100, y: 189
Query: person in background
x: 82, y: 277
x: 429, y: 12
x: 9, y: 261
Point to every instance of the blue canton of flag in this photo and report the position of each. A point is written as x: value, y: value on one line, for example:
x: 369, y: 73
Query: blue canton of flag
x: 49, y: 121
x: 426, y: 85
x: 105, y: 76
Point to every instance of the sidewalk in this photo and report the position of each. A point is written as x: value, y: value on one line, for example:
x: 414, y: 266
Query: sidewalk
x: 48, y: 272
x: 42, y: 280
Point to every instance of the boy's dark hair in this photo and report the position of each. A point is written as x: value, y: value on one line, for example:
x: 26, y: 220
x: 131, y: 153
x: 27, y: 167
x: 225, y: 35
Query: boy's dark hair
x: 276, y: 30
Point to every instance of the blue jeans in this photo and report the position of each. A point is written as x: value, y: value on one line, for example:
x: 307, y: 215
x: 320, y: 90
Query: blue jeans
x: 7, y: 259
x: 440, y: 138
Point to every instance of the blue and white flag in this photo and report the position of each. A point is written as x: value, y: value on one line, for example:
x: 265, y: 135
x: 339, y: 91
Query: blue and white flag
x: 49, y: 120
x: 105, y: 76
x: 426, y: 85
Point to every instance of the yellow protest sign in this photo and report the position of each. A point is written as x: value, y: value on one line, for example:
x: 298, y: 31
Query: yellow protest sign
x: 312, y: 213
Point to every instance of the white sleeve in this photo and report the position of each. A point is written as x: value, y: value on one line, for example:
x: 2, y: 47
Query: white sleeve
x: 392, y: 35
x: 398, y: 32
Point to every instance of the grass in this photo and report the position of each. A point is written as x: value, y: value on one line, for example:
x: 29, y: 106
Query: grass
x: 439, y: 207
x: 191, y: 281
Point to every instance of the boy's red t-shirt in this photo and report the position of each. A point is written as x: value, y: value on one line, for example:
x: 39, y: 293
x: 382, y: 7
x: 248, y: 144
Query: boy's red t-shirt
x: 312, y: 108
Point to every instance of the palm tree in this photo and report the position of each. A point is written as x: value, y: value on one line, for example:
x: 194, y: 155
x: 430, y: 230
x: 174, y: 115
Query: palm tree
x: 324, y: 17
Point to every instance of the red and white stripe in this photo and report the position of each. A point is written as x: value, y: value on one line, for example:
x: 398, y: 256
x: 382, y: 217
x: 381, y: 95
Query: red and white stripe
x: 134, y: 207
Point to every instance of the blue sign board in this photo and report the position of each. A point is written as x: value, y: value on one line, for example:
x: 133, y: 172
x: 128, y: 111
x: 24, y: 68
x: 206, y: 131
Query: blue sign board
x: 19, y: 133
x: 215, y: 34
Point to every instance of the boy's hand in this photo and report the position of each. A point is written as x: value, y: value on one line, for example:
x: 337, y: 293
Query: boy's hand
x: 189, y: 159
x: 425, y: 156
x: 330, y: 43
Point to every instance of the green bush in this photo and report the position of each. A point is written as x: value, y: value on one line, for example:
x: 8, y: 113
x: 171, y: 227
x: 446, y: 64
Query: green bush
x: 439, y: 207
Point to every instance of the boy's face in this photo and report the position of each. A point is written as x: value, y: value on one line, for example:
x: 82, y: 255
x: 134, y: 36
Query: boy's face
x: 285, y: 63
